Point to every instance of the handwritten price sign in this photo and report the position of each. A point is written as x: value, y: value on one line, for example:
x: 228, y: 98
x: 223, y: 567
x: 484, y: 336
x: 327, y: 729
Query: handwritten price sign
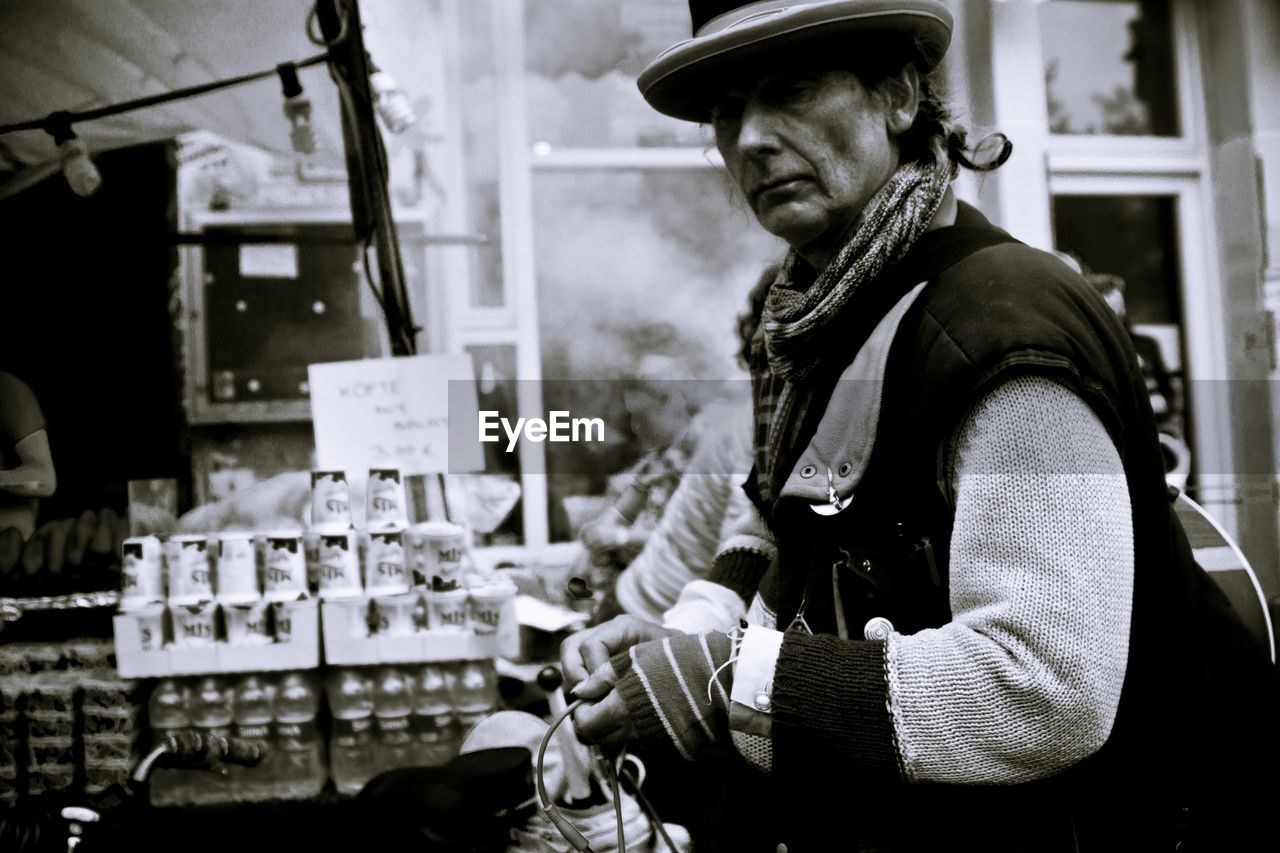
x: 393, y: 412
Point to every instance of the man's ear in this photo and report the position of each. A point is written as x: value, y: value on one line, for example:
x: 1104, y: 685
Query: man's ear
x: 902, y: 96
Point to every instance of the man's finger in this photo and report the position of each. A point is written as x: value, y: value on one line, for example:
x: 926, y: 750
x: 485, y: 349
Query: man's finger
x: 585, y: 651
x: 571, y: 661
x: 604, y: 722
x: 598, y: 683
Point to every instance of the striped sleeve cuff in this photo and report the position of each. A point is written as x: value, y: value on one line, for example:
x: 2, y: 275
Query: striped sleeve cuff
x: 741, y: 570
x: 670, y: 689
x: 636, y: 695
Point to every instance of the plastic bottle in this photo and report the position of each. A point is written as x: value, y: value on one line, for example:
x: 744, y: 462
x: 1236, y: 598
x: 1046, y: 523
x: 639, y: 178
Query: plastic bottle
x: 299, y: 768
x: 209, y: 707
x: 253, y: 718
x: 475, y: 693
x: 392, y: 710
x: 351, y: 757
x: 167, y: 708
x: 433, y: 717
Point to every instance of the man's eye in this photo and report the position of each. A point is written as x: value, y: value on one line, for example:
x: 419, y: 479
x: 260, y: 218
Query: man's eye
x: 784, y: 91
x: 726, y: 112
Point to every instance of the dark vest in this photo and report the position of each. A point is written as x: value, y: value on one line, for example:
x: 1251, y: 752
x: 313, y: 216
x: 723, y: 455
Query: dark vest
x: 1002, y: 309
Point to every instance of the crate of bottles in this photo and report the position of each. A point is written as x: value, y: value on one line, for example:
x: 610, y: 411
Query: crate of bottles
x: 345, y: 725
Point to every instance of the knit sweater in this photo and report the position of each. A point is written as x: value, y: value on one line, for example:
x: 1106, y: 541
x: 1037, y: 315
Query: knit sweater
x: 1025, y: 679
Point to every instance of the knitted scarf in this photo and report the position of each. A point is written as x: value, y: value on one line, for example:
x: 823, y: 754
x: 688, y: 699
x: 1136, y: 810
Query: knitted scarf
x: 798, y: 319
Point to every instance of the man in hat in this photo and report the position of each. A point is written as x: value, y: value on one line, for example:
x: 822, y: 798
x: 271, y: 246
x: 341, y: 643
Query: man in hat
x: 969, y: 618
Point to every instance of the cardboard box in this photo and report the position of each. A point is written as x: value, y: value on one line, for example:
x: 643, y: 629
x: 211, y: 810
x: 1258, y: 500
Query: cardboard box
x: 423, y: 647
x: 300, y: 651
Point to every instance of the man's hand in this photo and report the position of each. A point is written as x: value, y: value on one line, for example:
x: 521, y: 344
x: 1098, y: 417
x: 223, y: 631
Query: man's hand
x: 586, y: 651
x: 662, y: 689
x: 605, y: 720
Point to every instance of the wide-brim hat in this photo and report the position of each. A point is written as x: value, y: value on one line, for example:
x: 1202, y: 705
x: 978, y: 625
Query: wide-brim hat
x: 731, y: 41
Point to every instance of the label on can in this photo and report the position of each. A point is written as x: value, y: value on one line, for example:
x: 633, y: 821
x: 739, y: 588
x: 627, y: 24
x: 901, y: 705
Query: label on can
x: 385, y: 562
x: 330, y: 499
x: 237, y: 568
x: 142, y: 579
x: 386, y: 498
x: 286, y: 569
x: 339, y: 564
x: 436, y: 550
x: 190, y: 578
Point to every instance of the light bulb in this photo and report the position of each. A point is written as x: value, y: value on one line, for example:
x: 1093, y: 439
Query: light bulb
x: 298, y: 111
x: 79, y: 170
x: 393, y: 104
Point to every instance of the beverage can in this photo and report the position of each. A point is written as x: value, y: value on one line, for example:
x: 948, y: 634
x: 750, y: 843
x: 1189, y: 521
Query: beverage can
x: 330, y: 501
x: 436, y: 550
x: 385, y: 572
x: 446, y: 610
x: 247, y: 624
x: 237, y: 575
x: 349, y: 616
x: 394, y: 614
x: 150, y: 621
x: 338, y: 565
x: 194, y: 625
x: 190, y: 578
x: 385, y: 500
x: 285, y: 567
x: 142, y: 582
x: 490, y: 606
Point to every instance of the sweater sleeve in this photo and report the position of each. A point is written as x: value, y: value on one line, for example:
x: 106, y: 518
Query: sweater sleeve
x: 1025, y: 680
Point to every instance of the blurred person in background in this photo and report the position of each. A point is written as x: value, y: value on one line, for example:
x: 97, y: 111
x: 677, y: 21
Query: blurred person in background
x: 962, y: 615
x: 1160, y: 387
x: 707, y: 504
x: 26, y: 463
x: 1165, y: 395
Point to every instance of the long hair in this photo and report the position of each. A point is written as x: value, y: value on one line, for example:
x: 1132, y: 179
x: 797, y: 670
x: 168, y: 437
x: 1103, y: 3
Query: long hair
x: 935, y: 133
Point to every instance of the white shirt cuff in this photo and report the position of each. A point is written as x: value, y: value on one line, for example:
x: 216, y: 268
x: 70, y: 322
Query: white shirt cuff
x: 753, y: 673
x: 705, y: 606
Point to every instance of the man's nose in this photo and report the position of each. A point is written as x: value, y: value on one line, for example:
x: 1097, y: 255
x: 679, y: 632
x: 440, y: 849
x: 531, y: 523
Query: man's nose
x: 757, y: 133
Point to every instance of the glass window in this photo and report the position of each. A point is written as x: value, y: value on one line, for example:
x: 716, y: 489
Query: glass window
x: 478, y: 111
x: 1109, y: 67
x: 582, y: 59
x: 493, y: 508
x: 1128, y: 247
x: 641, y: 275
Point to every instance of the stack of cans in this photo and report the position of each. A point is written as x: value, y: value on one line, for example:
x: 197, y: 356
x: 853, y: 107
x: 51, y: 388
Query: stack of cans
x: 217, y: 588
x: 391, y: 578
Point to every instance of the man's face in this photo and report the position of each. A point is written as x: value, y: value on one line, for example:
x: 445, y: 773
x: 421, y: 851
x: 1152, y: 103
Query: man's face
x: 807, y: 150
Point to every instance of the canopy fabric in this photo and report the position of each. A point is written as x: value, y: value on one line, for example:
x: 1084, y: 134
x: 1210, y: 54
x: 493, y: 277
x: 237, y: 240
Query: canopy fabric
x: 81, y: 54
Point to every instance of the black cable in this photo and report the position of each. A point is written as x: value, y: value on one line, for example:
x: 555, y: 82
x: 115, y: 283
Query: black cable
x: 79, y: 116
x: 378, y: 214
x: 654, y: 817
x: 616, y: 789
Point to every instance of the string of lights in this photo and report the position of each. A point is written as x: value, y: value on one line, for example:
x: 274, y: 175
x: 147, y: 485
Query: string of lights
x: 370, y: 205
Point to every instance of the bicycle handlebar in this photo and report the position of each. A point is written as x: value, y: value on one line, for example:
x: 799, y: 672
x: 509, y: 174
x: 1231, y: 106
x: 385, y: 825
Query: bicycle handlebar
x: 200, y: 751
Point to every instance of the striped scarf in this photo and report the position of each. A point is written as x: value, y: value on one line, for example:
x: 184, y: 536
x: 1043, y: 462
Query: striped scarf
x: 798, y: 320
